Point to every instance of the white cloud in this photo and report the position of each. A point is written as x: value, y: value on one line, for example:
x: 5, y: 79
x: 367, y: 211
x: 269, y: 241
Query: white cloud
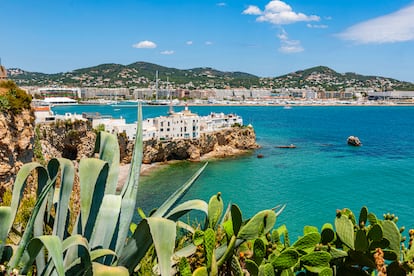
x: 208, y: 43
x: 289, y: 46
x: 221, y: 4
x: 146, y: 44
x: 252, y: 10
x: 279, y: 13
x: 167, y: 52
x: 189, y: 42
x: 390, y: 28
x: 316, y: 26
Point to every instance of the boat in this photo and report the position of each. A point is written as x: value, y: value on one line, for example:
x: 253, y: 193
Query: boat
x: 291, y: 146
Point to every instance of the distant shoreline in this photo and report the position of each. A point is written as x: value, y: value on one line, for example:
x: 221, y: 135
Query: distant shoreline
x: 275, y: 105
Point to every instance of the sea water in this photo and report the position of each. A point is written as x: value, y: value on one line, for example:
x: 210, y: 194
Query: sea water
x: 319, y: 176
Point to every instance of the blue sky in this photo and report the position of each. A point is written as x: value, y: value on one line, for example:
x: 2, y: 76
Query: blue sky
x: 265, y: 38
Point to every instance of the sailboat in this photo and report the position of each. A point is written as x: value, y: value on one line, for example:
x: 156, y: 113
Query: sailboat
x: 157, y: 102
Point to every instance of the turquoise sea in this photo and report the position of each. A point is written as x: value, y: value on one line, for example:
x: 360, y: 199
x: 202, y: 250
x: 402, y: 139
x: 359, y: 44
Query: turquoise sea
x: 319, y: 176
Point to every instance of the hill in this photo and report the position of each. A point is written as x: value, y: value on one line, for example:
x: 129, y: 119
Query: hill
x: 139, y: 75
x: 324, y: 78
x: 142, y: 75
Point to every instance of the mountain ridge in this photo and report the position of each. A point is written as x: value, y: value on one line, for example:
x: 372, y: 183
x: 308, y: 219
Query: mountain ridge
x: 142, y: 75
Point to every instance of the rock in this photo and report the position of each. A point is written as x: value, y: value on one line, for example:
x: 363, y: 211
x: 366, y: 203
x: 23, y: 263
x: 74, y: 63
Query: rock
x: 354, y: 141
x: 16, y: 143
x: 227, y: 142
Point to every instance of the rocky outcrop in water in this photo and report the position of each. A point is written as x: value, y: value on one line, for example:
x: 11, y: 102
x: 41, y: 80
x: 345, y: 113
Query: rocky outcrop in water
x: 76, y: 140
x: 224, y: 143
x: 16, y: 143
x: 354, y: 141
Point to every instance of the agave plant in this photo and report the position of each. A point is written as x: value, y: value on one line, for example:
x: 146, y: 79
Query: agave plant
x: 102, y: 225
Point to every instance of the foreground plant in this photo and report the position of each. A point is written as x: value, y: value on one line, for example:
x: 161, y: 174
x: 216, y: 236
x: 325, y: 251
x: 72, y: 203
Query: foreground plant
x: 101, y: 228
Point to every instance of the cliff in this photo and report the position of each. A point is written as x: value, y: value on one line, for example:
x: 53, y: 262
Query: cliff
x: 223, y: 143
x: 76, y: 140
x: 16, y: 143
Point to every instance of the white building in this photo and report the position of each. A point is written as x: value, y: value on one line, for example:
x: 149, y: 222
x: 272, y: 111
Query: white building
x: 178, y: 125
x: 216, y: 121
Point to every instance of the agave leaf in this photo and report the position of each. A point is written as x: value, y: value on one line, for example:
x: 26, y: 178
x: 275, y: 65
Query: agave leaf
x: 106, y: 221
x: 98, y: 253
x: 5, y: 221
x: 109, y: 152
x: 130, y: 189
x: 54, y: 247
x: 187, y: 206
x: 70, y: 261
x: 66, y: 185
x: 15, y: 260
x: 104, y: 270
x: 163, y: 209
x: 185, y: 251
x: 20, y: 184
x: 52, y: 169
x: 136, y: 247
x: 92, y: 178
x: 163, y: 232
x: 185, y: 226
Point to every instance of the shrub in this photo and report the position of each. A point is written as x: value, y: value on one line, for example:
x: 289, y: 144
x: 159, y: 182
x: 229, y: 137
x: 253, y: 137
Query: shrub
x: 15, y: 99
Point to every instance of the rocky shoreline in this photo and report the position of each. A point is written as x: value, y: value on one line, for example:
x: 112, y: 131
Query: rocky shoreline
x: 76, y: 140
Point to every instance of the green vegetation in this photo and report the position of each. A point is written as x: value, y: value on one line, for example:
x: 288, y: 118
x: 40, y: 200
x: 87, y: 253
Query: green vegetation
x: 142, y: 75
x: 37, y: 148
x: 98, y: 242
x: 12, y: 98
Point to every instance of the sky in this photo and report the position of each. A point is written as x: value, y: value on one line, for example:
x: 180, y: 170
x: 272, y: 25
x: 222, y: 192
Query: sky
x: 264, y: 38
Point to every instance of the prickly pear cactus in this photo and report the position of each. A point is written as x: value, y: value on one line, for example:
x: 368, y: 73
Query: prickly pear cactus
x: 215, y: 209
x: 184, y: 267
x: 266, y: 270
x: 286, y: 259
x: 259, y: 251
x: 345, y: 230
x: 209, y: 244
